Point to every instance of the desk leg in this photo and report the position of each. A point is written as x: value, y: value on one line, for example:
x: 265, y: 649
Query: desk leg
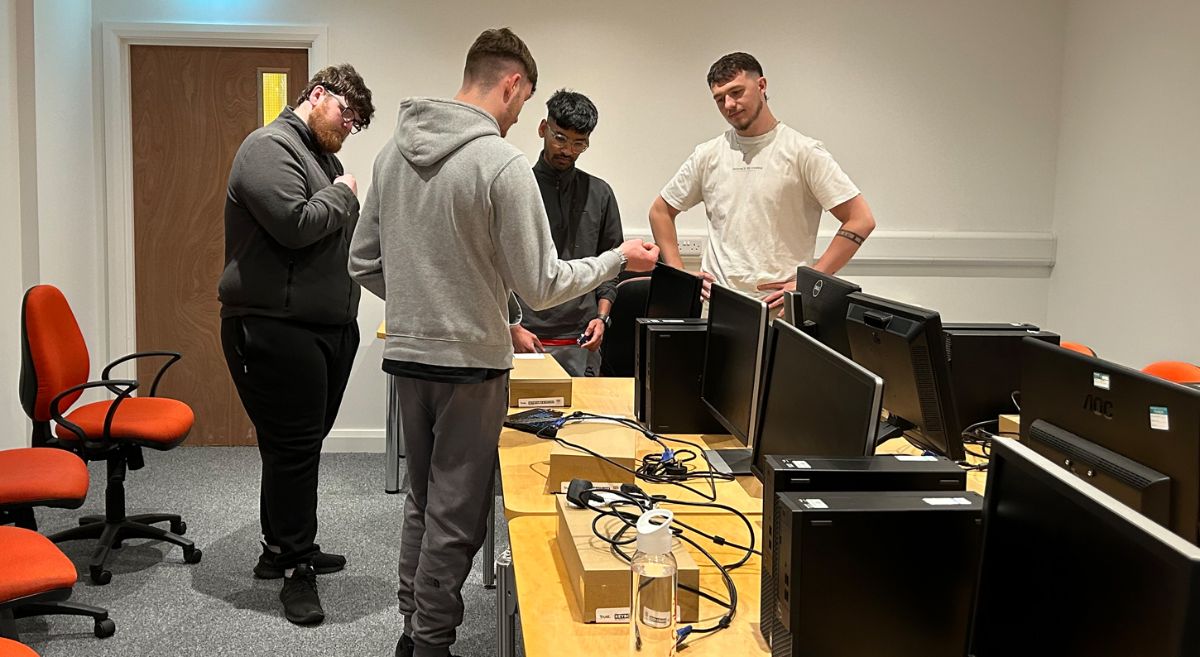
x: 487, y: 563
x: 506, y: 606
x: 394, y: 445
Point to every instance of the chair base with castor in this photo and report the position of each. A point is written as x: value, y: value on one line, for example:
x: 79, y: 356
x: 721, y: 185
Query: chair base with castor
x: 54, y: 603
x: 114, y: 527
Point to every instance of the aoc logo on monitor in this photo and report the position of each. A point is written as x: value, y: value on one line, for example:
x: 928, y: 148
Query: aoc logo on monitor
x: 1098, y: 406
x: 817, y: 288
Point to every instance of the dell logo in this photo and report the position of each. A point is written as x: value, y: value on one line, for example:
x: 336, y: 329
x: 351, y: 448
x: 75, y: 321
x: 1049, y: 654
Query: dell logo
x: 817, y: 287
x: 1099, y: 406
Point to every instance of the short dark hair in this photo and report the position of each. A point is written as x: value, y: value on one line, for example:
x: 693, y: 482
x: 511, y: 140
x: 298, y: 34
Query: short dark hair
x: 727, y: 68
x: 343, y: 80
x: 573, y: 111
x: 491, y: 51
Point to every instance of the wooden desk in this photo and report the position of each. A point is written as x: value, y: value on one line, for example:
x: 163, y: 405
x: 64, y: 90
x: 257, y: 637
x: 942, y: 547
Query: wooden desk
x: 525, y: 458
x: 553, y: 624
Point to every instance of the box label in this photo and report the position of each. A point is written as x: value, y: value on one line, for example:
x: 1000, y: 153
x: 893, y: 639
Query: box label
x: 541, y: 402
x: 612, y: 615
x: 947, y: 501
x: 1160, y: 418
x: 800, y: 465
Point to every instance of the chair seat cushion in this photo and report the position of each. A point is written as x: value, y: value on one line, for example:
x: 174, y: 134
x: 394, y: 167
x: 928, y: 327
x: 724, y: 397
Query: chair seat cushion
x: 155, y: 422
x: 31, y: 565
x: 10, y: 648
x: 52, y: 477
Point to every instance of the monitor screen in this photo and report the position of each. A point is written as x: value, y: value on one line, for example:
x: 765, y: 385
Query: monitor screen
x: 1150, y: 421
x: 815, y: 401
x: 1071, y: 572
x: 674, y: 293
x: 733, y: 356
x: 823, y: 300
x: 904, y: 345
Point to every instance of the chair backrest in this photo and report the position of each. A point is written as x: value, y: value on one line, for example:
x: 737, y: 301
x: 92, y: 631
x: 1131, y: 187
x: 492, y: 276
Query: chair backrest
x: 617, y: 349
x: 54, y: 356
x: 1174, y: 370
x: 1076, y: 346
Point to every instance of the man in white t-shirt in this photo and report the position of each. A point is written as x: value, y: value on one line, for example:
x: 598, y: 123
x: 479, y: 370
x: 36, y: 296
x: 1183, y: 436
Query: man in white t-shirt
x: 763, y: 186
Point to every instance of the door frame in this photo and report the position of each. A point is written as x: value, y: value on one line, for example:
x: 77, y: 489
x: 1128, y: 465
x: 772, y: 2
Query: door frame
x: 120, y: 305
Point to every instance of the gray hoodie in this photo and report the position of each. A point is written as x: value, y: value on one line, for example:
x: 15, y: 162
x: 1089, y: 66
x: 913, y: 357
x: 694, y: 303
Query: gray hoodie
x: 452, y: 222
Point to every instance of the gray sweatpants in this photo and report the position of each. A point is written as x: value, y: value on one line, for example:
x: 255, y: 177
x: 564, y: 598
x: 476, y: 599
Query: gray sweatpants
x: 450, y: 432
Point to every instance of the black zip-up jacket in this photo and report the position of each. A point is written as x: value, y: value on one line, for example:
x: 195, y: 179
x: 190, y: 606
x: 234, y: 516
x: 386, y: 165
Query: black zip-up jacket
x: 584, y: 222
x: 288, y: 229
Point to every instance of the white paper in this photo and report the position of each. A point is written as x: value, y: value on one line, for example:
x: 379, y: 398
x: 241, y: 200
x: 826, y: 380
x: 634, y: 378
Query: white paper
x: 915, y: 457
x: 947, y: 501
x: 802, y: 465
x: 815, y: 504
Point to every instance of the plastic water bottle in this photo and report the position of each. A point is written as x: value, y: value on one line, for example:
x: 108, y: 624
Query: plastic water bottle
x: 652, y: 608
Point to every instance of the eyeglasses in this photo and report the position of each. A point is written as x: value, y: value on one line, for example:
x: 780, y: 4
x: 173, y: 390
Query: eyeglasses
x: 561, y: 140
x: 348, y: 115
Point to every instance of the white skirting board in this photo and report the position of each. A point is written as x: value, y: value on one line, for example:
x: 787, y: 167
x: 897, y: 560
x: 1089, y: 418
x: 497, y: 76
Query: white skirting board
x: 356, y: 440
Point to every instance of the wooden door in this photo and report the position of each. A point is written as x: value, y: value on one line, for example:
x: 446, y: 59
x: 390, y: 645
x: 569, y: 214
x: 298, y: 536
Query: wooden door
x: 192, y: 107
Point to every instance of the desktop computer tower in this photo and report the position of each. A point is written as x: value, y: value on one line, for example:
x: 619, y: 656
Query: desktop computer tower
x: 882, y: 472
x: 875, y: 573
x: 668, y: 362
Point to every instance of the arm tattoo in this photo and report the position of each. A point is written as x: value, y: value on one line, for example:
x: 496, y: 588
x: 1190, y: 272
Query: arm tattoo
x: 851, y: 235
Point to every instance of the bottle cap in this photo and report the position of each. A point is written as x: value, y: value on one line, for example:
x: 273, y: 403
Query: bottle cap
x: 654, y: 531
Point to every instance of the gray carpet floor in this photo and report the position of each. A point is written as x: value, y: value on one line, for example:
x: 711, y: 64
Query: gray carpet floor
x: 163, y: 606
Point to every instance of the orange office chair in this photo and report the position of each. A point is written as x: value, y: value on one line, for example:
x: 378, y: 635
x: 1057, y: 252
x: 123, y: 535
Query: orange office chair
x: 1174, y: 370
x: 10, y: 648
x: 1081, y: 348
x: 36, y: 579
x: 41, y: 476
x: 54, y: 372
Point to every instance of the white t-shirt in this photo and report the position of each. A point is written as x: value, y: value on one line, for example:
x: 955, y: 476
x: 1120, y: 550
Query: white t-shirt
x: 764, y: 196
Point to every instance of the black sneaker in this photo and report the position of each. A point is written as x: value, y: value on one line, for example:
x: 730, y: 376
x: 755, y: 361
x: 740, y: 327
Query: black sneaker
x: 301, y: 604
x: 322, y: 564
x: 405, y: 646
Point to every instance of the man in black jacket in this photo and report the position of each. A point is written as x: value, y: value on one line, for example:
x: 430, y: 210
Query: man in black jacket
x: 584, y: 222
x: 289, y: 311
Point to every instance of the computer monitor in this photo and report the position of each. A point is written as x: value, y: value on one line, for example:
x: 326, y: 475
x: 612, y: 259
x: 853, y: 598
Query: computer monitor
x: 824, y: 300
x: 1071, y: 572
x: 815, y: 401
x: 985, y: 368
x: 733, y: 359
x: 904, y: 345
x: 674, y: 293
x: 1120, y: 429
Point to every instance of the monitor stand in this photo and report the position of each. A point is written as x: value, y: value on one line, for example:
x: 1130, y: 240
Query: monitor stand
x: 730, y: 461
x: 893, y: 427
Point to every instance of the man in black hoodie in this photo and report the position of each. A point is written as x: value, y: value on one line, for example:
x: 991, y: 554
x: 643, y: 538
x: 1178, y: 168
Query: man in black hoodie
x: 289, y: 311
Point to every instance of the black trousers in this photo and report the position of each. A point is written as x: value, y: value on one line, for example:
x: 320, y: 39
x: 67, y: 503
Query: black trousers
x: 291, y: 377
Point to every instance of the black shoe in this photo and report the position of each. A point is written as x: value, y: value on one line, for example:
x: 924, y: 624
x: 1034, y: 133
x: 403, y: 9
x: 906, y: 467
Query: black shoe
x: 322, y: 564
x: 301, y: 604
x: 405, y: 647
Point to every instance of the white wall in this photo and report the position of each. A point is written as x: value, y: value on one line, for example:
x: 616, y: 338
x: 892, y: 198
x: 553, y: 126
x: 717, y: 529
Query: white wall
x: 944, y: 112
x: 1128, y: 184
x: 15, y: 63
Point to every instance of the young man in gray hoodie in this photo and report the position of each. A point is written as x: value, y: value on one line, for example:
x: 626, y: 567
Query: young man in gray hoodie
x: 453, y: 222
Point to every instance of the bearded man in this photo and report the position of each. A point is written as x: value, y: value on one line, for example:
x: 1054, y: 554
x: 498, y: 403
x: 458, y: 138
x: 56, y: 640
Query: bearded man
x: 289, y: 313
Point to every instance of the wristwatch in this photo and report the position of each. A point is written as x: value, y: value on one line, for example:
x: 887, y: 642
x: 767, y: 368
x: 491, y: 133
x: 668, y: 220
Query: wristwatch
x: 604, y: 318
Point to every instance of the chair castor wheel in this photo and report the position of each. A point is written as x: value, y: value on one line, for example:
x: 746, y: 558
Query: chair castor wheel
x: 192, y: 555
x: 105, y: 628
x: 99, y: 575
x: 179, y: 527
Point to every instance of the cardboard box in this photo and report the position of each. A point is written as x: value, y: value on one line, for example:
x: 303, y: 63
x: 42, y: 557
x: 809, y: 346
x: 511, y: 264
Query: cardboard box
x: 538, y: 381
x: 600, y: 580
x: 1010, y: 424
x: 611, y: 441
